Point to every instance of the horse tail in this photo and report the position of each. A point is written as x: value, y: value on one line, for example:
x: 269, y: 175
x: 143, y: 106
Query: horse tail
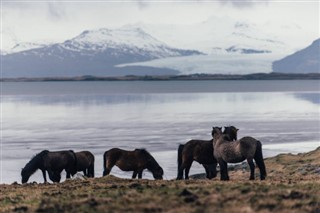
x: 75, y: 163
x: 180, y: 149
x: 105, y: 163
x: 258, y: 157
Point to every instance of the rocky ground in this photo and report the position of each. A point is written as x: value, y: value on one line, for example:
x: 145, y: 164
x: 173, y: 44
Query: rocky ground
x: 292, y: 185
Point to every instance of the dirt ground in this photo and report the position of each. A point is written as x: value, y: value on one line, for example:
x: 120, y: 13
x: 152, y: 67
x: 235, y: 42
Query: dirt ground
x: 292, y: 185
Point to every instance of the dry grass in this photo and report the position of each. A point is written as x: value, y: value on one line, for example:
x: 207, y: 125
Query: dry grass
x: 292, y: 185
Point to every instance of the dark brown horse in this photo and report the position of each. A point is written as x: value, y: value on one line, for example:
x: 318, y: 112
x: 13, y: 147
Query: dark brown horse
x: 200, y: 151
x: 85, y: 163
x: 135, y: 161
x: 53, y: 163
x: 231, y: 132
x: 247, y: 148
x: 196, y: 150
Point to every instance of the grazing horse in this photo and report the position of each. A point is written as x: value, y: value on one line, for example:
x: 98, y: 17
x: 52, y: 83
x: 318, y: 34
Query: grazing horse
x: 136, y: 161
x: 85, y: 163
x: 53, y: 163
x: 247, y: 148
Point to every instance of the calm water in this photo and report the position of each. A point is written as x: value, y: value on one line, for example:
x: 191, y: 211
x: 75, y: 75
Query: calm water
x: 158, y: 116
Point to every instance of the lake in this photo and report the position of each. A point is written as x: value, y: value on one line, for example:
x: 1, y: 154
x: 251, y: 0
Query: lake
x: 156, y: 115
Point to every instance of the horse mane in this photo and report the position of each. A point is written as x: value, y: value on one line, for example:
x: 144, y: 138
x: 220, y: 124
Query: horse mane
x: 143, y: 151
x: 148, y: 155
x: 33, y: 164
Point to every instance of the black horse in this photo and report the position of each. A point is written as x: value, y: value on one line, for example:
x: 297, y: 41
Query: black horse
x: 247, y: 148
x: 135, y: 161
x: 53, y: 163
x: 85, y: 163
x: 196, y: 150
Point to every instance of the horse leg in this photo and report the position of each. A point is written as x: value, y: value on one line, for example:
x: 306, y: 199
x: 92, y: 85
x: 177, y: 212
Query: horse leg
x: 134, y: 175
x: 182, y: 168
x: 85, y: 172
x: 180, y: 172
x: 107, y: 170
x: 211, y: 170
x: 44, y: 175
x: 252, y: 167
x: 258, y: 157
x: 91, y: 170
x: 208, y: 173
x: 186, y: 171
x: 140, y: 174
x: 68, y: 175
x: 223, y: 170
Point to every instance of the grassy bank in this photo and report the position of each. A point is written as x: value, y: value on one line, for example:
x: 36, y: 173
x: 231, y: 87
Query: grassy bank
x: 292, y: 185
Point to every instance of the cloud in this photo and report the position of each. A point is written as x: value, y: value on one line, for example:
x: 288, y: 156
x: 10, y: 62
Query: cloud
x: 243, y: 3
x: 142, y: 4
x: 56, y: 11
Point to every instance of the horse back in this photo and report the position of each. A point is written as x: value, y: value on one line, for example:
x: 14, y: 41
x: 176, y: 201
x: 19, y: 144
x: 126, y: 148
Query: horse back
x: 200, y: 150
x: 60, y: 160
x: 248, y: 143
x: 84, y: 159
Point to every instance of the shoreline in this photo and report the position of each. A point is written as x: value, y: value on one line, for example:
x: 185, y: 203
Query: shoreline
x: 292, y: 185
x: 167, y: 159
x: 191, y: 77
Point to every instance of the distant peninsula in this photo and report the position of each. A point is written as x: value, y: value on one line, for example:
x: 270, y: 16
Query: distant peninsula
x: 255, y: 76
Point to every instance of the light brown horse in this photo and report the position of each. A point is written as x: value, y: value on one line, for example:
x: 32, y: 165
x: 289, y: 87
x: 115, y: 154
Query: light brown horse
x: 247, y: 148
x: 136, y: 161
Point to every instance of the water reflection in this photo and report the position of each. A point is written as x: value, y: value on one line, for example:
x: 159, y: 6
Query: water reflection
x: 312, y: 97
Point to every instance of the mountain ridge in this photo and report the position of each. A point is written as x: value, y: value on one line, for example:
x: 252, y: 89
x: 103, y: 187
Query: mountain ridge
x: 306, y: 60
x: 92, y: 52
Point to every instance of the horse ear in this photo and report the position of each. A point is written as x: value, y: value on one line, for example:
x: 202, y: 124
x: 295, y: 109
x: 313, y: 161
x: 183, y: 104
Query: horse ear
x: 237, y: 130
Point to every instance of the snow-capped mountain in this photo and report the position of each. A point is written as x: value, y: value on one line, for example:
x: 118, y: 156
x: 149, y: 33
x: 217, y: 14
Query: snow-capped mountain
x: 23, y: 46
x: 93, y: 52
x: 225, y: 33
x: 306, y: 60
x: 230, y: 46
x: 127, y: 40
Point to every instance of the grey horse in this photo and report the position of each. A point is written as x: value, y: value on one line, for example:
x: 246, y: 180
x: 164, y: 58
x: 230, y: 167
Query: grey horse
x: 247, y: 148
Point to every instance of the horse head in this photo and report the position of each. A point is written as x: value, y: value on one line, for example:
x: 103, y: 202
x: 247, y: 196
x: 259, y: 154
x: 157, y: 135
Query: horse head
x: 158, y: 173
x: 216, y: 131
x: 231, y: 131
x: 25, y: 174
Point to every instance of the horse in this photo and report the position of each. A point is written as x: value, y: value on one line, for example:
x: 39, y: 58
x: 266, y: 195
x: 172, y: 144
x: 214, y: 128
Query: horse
x: 85, y: 163
x: 53, y: 163
x: 231, y: 132
x: 200, y: 151
x: 247, y: 148
x: 196, y: 150
x: 136, y: 161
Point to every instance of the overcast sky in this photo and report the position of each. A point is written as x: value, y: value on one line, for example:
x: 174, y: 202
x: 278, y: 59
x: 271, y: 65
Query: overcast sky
x: 61, y: 20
